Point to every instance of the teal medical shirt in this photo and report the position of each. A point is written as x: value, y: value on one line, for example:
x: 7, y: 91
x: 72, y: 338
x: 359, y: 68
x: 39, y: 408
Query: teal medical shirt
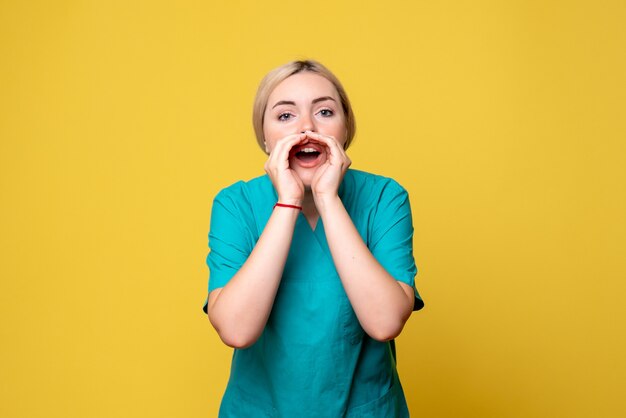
x: 313, y: 359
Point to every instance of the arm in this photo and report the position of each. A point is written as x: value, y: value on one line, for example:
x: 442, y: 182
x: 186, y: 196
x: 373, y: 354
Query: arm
x: 239, y: 310
x: 381, y: 303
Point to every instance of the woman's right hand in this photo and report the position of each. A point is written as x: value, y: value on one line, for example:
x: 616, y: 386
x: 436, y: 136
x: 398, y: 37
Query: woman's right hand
x: 286, y: 181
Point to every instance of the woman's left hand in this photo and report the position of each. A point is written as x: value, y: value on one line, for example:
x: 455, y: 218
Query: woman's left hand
x: 329, y: 175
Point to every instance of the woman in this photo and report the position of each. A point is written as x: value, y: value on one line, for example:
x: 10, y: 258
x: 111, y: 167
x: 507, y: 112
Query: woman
x: 311, y: 266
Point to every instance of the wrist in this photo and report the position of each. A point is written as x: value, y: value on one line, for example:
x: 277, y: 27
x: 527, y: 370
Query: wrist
x: 324, y: 202
x: 290, y: 201
x: 288, y: 206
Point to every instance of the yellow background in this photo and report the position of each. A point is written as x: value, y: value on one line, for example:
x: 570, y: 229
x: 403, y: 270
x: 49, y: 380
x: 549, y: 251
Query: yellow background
x: 505, y: 120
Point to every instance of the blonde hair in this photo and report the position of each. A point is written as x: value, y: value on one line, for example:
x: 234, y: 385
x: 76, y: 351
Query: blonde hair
x: 278, y: 75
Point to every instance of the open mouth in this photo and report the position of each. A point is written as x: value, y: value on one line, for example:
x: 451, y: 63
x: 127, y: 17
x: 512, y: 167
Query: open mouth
x: 307, y: 154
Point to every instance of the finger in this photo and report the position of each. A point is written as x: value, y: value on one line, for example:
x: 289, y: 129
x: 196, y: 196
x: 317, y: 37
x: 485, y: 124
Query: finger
x: 337, y: 153
x: 285, y: 144
x: 329, y: 141
x: 280, y: 154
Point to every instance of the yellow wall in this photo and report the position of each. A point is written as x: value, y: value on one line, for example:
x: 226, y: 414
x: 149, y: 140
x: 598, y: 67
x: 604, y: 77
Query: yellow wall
x: 120, y: 120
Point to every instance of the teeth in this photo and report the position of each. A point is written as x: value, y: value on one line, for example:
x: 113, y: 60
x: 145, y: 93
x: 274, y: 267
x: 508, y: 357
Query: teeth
x: 308, y: 150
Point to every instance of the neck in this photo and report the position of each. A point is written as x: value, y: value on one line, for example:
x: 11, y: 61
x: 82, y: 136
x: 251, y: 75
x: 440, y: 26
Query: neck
x: 308, y: 204
x: 309, y: 210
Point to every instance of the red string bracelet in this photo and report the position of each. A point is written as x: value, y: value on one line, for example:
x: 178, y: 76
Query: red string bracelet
x: 284, y: 205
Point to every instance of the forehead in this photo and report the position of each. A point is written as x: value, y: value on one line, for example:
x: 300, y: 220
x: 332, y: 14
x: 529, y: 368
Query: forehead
x: 303, y: 86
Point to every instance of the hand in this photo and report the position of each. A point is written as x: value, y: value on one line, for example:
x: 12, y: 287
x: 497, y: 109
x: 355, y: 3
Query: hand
x: 329, y: 175
x: 286, y: 181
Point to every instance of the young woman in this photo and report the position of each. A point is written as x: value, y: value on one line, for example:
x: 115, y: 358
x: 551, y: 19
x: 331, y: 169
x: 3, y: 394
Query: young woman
x: 311, y: 265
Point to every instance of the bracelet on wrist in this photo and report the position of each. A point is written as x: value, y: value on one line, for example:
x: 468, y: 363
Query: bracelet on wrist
x: 284, y: 205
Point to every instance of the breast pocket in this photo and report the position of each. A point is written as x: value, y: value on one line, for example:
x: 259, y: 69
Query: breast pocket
x: 240, y: 402
x: 314, y: 312
x: 390, y: 405
x: 351, y: 326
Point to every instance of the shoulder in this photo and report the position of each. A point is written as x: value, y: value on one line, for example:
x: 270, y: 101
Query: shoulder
x: 246, y: 205
x: 364, y: 186
x: 244, y: 193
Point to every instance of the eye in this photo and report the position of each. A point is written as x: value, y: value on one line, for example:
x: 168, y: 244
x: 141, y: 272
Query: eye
x: 284, y: 116
x: 326, y: 113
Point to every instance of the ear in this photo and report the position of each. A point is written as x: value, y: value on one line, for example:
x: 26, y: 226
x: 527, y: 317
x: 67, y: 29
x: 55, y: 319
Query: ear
x: 267, y: 151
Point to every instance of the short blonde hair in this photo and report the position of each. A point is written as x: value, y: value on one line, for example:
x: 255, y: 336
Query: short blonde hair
x: 278, y: 75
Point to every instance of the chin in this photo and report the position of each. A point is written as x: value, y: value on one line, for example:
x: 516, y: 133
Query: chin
x: 307, y: 181
x: 306, y: 175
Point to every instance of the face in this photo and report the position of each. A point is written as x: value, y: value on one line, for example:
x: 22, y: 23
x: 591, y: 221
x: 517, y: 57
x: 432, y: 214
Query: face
x: 303, y: 102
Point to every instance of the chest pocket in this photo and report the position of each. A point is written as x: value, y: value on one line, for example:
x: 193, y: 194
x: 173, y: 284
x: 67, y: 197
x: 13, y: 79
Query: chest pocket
x: 351, y: 327
x: 311, y: 306
x: 241, y: 402
x: 314, y: 313
x: 392, y: 404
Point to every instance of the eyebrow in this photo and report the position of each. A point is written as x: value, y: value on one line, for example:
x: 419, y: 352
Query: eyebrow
x: 288, y: 102
x: 322, y: 99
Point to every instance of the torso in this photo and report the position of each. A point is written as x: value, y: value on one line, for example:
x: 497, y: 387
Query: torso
x: 313, y: 358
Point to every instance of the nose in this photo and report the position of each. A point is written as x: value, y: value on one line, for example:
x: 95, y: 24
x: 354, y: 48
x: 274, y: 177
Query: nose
x: 306, y: 123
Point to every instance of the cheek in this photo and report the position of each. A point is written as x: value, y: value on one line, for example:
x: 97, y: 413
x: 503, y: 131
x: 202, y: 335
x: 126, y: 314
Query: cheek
x: 269, y: 144
x: 340, y: 133
x: 339, y: 129
x: 268, y: 135
x: 273, y: 131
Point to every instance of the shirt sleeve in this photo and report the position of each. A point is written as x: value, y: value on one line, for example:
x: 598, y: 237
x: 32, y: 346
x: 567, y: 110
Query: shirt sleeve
x: 230, y: 240
x: 392, y: 237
